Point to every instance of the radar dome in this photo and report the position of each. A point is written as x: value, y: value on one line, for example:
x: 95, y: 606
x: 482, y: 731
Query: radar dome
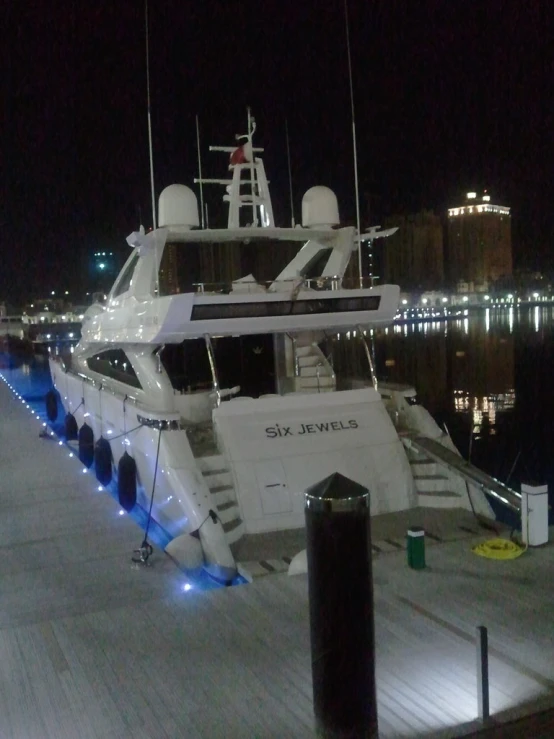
x: 178, y: 206
x: 320, y: 208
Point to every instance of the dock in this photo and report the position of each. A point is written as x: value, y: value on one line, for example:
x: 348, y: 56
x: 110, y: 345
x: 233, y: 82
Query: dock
x: 93, y: 646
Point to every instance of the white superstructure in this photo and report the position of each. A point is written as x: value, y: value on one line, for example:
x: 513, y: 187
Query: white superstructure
x: 232, y: 403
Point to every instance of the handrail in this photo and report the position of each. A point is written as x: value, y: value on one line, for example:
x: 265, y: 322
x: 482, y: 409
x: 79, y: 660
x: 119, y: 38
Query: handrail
x: 213, y: 368
x: 326, y: 282
x: 369, y: 359
x: 441, y: 454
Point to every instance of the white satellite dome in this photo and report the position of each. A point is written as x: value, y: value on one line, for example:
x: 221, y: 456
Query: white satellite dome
x: 178, y: 206
x: 320, y: 208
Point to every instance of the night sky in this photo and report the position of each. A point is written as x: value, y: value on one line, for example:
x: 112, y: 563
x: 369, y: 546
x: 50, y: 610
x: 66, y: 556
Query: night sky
x: 450, y: 95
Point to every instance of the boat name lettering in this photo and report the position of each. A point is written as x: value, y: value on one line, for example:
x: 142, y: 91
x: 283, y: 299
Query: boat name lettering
x: 273, y: 432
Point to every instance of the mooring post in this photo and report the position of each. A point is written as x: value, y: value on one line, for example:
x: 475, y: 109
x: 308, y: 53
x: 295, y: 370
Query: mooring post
x: 483, y: 708
x: 341, y: 609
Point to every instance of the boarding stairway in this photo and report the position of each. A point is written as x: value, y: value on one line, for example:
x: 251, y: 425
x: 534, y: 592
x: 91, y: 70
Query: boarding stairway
x: 312, y: 371
x: 219, y: 479
x: 436, y: 468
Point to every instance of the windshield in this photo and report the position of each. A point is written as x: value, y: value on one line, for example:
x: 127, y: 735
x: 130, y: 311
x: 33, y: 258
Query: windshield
x: 190, y: 266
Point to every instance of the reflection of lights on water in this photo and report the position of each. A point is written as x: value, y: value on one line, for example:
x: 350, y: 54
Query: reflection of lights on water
x: 511, y: 319
x: 536, y: 318
x: 487, y: 320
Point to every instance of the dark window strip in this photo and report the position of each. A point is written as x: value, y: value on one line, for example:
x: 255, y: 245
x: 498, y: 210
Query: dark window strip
x: 285, y: 308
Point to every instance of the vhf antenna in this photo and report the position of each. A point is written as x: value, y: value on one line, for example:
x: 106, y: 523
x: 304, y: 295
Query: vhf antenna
x: 149, y: 116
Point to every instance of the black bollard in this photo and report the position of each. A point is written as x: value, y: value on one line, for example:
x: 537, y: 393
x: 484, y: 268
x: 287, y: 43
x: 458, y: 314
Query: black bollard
x: 341, y: 609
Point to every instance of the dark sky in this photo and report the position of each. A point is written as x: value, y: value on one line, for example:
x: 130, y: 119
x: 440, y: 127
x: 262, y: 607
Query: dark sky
x: 450, y: 95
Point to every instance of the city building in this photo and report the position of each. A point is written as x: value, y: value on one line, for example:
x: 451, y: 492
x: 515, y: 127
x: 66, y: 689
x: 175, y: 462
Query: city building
x: 479, y: 243
x: 413, y: 257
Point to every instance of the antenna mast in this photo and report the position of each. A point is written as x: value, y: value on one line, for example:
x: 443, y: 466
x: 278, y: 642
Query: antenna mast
x: 149, y: 116
x: 354, y: 145
x: 203, y: 220
x: 290, y: 174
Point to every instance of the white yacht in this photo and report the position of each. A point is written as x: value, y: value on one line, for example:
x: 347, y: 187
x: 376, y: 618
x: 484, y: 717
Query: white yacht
x: 206, y: 363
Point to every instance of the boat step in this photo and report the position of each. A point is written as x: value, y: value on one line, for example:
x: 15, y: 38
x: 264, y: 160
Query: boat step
x: 208, y: 473
x: 225, y: 506
x: 309, y: 360
x: 234, y: 530
x: 307, y: 390
x: 304, y: 350
x: 430, y: 483
x: 228, y: 514
x: 322, y: 381
x: 439, y: 499
x: 221, y: 488
x: 210, y: 463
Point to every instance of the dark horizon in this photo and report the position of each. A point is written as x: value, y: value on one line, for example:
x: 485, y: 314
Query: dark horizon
x: 448, y: 99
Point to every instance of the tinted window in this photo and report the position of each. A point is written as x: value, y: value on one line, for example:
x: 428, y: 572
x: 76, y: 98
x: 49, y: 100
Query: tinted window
x: 285, y: 308
x: 186, y: 264
x: 114, y: 363
x: 124, y: 282
x: 188, y: 365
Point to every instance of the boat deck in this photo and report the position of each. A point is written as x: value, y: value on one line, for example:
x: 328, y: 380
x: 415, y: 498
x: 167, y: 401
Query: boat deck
x: 94, y: 648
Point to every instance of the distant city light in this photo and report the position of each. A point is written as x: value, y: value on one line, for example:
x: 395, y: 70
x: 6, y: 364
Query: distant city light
x: 486, y: 198
x: 445, y: 300
x: 404, y: 302
x: 465, y: 298
x: 487, y: 297
x: 424, y: 301
x: 101, y: 265
x: 471, y: 195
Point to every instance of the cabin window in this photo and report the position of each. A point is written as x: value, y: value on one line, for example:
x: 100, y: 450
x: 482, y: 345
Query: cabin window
x: 189, y: 266
x: 124, y: 282
x: 188, y: 366
x: 115, y: 364
x: 315, y: 266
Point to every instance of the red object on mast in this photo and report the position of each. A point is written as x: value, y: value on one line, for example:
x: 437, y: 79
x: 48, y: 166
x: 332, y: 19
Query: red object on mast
x: 238, y: 156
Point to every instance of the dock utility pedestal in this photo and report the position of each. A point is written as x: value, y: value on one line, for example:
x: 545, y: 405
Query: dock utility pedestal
x: 415, y: 548
x: 534, y: 514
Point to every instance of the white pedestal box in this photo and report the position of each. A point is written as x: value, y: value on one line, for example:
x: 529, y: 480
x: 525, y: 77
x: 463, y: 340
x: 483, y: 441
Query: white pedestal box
x: 534, y: 514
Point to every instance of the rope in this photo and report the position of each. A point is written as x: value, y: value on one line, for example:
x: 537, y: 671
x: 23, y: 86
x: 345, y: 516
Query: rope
x: 143, y: 553
x: 126, y: 433
x: 499, y: 549
x: 80, y: 404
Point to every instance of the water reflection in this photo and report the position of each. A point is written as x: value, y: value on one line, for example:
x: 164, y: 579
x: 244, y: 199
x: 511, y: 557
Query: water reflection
x: 487, y: 375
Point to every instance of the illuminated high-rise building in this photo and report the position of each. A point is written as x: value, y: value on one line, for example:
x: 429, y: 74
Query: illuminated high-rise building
x: 479, y: 243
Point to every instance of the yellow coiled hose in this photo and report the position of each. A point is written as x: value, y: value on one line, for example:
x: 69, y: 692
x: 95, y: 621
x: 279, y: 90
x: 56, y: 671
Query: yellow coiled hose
x: 499, y: 549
